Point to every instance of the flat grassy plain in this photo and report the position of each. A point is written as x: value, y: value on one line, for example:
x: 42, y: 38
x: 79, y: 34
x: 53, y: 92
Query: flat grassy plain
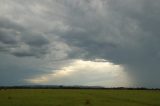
x: 78, y: 97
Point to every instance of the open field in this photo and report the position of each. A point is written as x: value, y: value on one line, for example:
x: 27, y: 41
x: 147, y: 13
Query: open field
x: 78, y: 97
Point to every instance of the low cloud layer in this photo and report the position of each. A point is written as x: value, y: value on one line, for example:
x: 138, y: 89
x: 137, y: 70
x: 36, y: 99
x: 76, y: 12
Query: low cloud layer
x: 51, y: 34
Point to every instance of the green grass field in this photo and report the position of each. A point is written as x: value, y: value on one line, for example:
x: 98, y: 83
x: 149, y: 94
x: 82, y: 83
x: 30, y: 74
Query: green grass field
x: 68, y: 97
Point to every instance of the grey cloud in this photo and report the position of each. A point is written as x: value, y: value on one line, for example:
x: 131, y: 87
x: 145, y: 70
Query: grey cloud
x: 36, y: 40
x: 125, y: 32
x: 19, y: 41
x: 8, y: 37
x: 14, y: 70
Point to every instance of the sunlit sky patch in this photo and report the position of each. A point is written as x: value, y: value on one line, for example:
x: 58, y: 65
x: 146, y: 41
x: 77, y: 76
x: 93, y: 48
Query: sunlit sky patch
x: 81, y: 72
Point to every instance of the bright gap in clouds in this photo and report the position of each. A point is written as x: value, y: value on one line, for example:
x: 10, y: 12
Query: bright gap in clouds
x: 80, y: 72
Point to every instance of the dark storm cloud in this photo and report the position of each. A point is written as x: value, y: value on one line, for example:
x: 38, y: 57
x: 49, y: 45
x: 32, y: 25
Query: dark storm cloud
x: 124, y: 32
x: 18, y: 41
x: 36, y: 40
x: 5, y: 37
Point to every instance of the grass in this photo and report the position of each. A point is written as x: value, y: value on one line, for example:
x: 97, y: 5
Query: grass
x: 73, y: 97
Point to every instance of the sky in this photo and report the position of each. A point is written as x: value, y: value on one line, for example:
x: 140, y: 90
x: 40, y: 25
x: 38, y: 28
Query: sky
x: 111, y: 43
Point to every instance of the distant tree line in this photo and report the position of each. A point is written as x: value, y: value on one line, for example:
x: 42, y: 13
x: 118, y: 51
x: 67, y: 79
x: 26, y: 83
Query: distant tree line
x: 72, y: 87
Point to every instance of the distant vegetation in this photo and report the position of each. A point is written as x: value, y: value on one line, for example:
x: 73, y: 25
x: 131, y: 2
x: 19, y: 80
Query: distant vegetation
x: 73, y: 87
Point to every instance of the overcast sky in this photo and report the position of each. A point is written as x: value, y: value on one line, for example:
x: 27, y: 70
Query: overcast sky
x: 80, y: 42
